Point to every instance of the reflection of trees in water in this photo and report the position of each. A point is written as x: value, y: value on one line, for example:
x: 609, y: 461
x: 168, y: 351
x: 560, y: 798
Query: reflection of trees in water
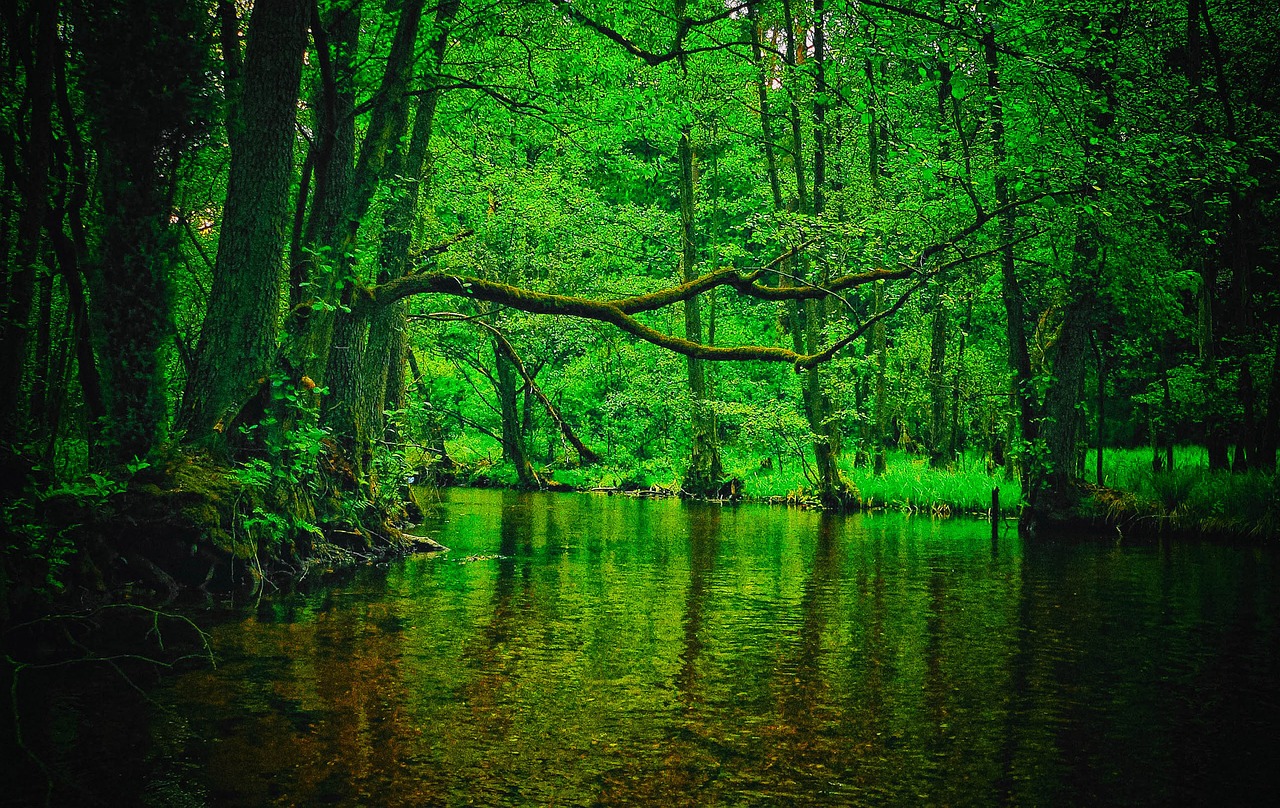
x: 488, y: 655
x: 704, y: 528
x: 316, y: 710
x: 804, y: 741
x: 714, y: 655
x: 681, y: 766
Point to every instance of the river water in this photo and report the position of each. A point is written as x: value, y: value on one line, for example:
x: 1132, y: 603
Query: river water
x: 592, y: 650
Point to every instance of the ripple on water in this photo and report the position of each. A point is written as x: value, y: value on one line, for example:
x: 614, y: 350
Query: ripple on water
x: 604, y: 650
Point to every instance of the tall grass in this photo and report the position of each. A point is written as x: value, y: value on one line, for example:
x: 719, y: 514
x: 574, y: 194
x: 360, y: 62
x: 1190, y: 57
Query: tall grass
x: 1187, y: 498
x: 1190, y: 497
x: 909, y: 482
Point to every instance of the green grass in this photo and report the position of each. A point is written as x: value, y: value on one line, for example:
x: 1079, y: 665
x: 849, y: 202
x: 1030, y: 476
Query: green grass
x: 1191, y: 497
x: 909, y: 483
x: 1188, y: 498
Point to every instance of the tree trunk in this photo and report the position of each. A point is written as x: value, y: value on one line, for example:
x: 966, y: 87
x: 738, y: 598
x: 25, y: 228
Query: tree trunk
x: 508, y: 383
x: 1244, y: 438
x: 387, y: 351
x: 1053, y: 490
x: 955, y: 445
x: 797, y: 140
x: 320, y: 263
x: 341, y: 347
x: 238, y: 341
x: 762, y: 96
x: 878, y: 462
x: 72, y: 254
x: 704, y: 471
x: 585, y: 456
x: 1269, y: 429
x: 140, y: 134
x: 1019, y: 356
x: 21, y: 283
x: 937, y: 386
x: 1102, y: 408
x: 1061, y: 422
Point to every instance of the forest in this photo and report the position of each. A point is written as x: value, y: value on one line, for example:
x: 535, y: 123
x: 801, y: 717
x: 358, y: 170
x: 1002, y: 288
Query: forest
x: 270, y: 265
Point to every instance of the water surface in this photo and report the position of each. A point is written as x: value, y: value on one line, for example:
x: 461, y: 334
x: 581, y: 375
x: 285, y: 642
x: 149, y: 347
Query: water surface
x: 590, y: 650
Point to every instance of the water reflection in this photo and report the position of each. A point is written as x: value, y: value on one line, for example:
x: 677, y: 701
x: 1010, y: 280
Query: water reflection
x: 598, y: 651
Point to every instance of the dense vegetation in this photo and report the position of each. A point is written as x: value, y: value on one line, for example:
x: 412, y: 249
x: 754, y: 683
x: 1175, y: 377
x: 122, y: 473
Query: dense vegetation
x: 265, y: 261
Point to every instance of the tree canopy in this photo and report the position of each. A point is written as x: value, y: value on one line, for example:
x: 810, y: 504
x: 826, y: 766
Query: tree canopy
x: 296, y: 234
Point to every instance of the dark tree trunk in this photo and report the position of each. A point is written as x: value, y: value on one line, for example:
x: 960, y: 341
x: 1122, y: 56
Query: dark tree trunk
x: 1102, y: 408
x: 131, y: 48
x: 881, y: 415
x: 1244, y: 438
x: 238, y: 341
x: 508, y: 384
x: 762, y: 96
x: 585, y: 456
x: 956, y: 445
x: 1019, y: 357
x: 386, y: 354
x: 1269, y: 429
x: 354, y: 396
x: 1053, y: 491
x: 37, y: 152
x: 832, y: 487
x: 319, y: 263
x: 1061, y: 423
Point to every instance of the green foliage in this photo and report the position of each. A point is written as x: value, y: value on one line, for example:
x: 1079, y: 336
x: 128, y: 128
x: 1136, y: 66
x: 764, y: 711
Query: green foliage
x: 281, y: 483
x: 34, y: 539
x: 1135, y: 153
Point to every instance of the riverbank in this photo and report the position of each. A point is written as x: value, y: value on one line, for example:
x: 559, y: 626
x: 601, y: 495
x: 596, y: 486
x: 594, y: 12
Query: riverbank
x: 190, y: 525
x: 1131, y: 497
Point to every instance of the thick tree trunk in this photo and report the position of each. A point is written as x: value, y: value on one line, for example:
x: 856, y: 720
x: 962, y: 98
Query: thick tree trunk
x: 21, y: 283
x: 320, y: 261
x: 833, y: 489
x: 1053, y: 490
x: 238, y: 341
x: 353, y: 394
x: 139, y: 135
x: 1061, y: 423
x: 385, y: 357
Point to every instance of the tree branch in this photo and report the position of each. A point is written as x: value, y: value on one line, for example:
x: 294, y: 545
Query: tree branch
x: 585, y: 456
x: 619, y: 312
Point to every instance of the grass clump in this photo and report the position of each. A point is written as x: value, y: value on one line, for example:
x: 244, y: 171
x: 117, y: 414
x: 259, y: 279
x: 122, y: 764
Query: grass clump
x: 910, y: 483
x: 1191, y: 498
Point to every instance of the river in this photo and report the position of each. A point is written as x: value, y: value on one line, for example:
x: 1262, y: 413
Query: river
x: 591, y: 650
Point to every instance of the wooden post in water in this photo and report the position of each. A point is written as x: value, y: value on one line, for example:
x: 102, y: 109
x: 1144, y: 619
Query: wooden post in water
x: 995, y: 513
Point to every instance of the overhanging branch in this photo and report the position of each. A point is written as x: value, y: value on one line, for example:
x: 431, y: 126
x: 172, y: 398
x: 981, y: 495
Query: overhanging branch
x: 620, y: 312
